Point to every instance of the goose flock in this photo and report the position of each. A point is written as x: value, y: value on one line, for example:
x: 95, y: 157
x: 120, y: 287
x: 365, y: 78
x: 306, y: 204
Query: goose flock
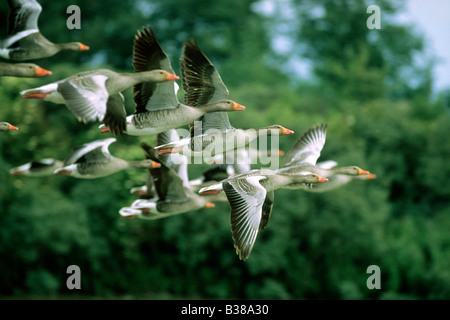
x: 96, y: 96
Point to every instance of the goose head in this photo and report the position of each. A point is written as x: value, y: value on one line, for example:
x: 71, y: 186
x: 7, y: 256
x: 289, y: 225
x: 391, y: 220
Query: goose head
x: 224, y: 105
x: 162, y: 75
x: 73, y: 46
x: 29, y: 70
x: 351, y: 171
x: 5, y: 126
x: 157, y: 75
x: 275, y: 130
x: 315, y: 178
x: 308, y: 178
x: 145, y: 164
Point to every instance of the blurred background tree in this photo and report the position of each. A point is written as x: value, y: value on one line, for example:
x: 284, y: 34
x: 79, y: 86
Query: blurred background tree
x: 316, y: 246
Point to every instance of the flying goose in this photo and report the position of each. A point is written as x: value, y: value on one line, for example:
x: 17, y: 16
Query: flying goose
x: 302, y: 157
x: 212, y: 133
x: 5, y: 126
x: 173, y: 192
x: 38, y: 168
x: 22, y: 70
x: 337, y: 180
x: 95, y: 95
x: 251, y: 197
x: 157, y: 107
x: 93, y: 160
x: 24, y: 41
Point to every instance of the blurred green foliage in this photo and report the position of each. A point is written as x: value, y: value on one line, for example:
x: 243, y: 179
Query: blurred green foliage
x: 316, y: 246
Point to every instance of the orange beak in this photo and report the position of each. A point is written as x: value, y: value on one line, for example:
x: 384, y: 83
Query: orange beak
x: 238, y: 107
x: 322, y: 179
x: 156, y: 165
x: 371, y: 176
x: 83, y: 47
x: 41, y: 72
x: 287, y: 131
x: 280, y: 153
x: 11, y: 127
x: 361, y: 171
x: 209, y: 205
x: 172, y: 77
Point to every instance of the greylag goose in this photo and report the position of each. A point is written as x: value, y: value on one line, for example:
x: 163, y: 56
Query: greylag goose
x: 38, y: 168
x: 24, y: 41
x: 157, y: 107
x: 93, y: 160
x: 93, y: 95
x: 302, y: 157
x: 22, y: 70
x: 5, y: 126
x: 337, y: 180
x: 212, y: 133
x: 251, y: 197
x: 174, y: 195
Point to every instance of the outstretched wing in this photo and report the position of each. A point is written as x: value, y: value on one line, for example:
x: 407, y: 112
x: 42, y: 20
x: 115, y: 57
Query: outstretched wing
x: 96, y: 151
x: 267, y: 209
x: 246, y: 197
x: 23, y: 16
x: 307, y: 149
x: 202, y: 84
x: 201, y: 81
x: 86, y: 97
x: 115, y: 117
x: 149, y: 55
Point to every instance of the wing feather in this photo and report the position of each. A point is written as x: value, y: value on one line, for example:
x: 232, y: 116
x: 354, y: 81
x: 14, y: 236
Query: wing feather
x: 23, y: 16
x: 86, y: 97
x: 149, y: 55
x: 246, y: 197
x: 96, y: 151
x: 115, y: 116
x: 307, y: 149
x: 202, y: 84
